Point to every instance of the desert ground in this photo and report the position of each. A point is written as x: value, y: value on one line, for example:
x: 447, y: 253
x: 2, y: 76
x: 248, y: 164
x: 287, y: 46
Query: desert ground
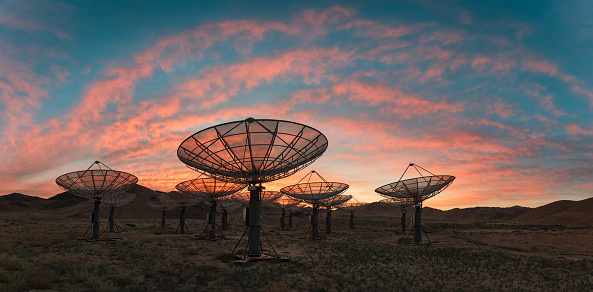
x: 41, y: 250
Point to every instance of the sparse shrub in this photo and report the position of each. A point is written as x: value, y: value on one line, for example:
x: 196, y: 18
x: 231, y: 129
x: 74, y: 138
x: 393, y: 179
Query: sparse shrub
x: 40, y: 278
x: 278, y: 287
x: 12, y: 282
x: 10, y: 263
x: 104, y: 287
x: 226, y: 257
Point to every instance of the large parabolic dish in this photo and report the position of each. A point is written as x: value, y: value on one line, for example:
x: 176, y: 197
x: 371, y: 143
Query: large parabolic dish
x: 283, y: 203
x: 212, y: 190
x: 403, y: 204
x: 116, y: 201
x: 252, y: 151
x: 314, y: 193
x: 331, y: 203
x: 181, y: 200
x: 162, y: 206
x: 418, y: 190
x: 351, y: 207
x: 97, y: 182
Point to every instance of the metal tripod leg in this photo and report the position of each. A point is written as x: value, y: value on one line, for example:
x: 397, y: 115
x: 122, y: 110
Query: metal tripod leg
x: 87, y: 231
x: 238, y: 242
x: 269, y: 242
x: 308, y: 234
x: 179, y: 225
x: 412, y: 229
x: 208, y: 234
x: 426, y: 234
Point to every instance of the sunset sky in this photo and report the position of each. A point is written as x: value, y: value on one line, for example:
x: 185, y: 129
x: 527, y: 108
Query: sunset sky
x: 496, y: 93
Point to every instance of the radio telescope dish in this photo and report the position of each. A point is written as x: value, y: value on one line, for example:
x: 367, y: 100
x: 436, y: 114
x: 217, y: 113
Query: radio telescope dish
x: 265, y: 197
x: 331, y: 203
x: 162, y: 206
x: 211, y: 190
x: 181, y: 200
x: 285, y: 202
x: 351, y: 207
x: 418, y: 190
x: 119, y: 200
x: 116, y: 201
x: 403, y: 204
x: 314, y: 193
x: 252, y: 151
x: 296, y: 209
x: 227, y: 204
x: 96, y: 182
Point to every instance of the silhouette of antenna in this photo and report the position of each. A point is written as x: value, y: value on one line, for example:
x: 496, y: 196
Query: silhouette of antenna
x: 403, y: 204
x: 252, y: 152
x: 162, y: 206
x: 117, y: 201
x: 285, y: 203
x: 243, y: 199
x: 352, y: 207
x: 227, y: 204
x: 211, y: 190
x: 182, y: 201
x: 314, y: 193
x: 330, y: 204
x: 265, y: 198
x: 294, y: 210
x: 418, y: 190
x: 98, y: 181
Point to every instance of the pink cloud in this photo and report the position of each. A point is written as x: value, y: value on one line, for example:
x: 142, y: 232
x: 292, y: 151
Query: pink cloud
x: 580, y: 90
x: 541, y: 66
x: 576, y: 130
x: 443, y: 37
x: 12, y: 20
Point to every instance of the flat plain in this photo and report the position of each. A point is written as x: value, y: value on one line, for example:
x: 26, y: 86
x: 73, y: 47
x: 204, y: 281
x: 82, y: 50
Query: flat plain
x: 42, y: 251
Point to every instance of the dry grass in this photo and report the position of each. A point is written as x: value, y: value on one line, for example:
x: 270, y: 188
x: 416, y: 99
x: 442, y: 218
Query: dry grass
x: 38, y: 253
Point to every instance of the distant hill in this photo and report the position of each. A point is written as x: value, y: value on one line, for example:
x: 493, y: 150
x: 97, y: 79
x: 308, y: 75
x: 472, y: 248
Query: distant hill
x: 570, y: 213
x: 497, y: 213
x: 20, y: 198
x: 476, y: 214
x: 17, y: 202
x: 565, y: 212
x: 63, y: 200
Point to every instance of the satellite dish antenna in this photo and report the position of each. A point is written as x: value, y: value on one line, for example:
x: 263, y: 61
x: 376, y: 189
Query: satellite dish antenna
x: 182, y: 201
x: 314, y: 193
x: 95, y: 183
x: 227, y: 204
x: 330, y: 204
x: 403, y: 204
x: 283, y: 203
x: 116, y: 201
x: 211, y: 190
x: 265, y: 198
x: 252, y: 152
x: 352, y: 207
x: 294, y: 210
x: 418, y: 190
x: 162, y: 206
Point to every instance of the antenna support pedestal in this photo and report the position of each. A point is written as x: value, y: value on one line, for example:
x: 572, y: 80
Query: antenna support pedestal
x: 254, y: 242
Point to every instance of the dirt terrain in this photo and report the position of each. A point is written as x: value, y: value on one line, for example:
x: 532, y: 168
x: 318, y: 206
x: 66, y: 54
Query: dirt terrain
x: 469, y: 249
x: 41, y: 251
